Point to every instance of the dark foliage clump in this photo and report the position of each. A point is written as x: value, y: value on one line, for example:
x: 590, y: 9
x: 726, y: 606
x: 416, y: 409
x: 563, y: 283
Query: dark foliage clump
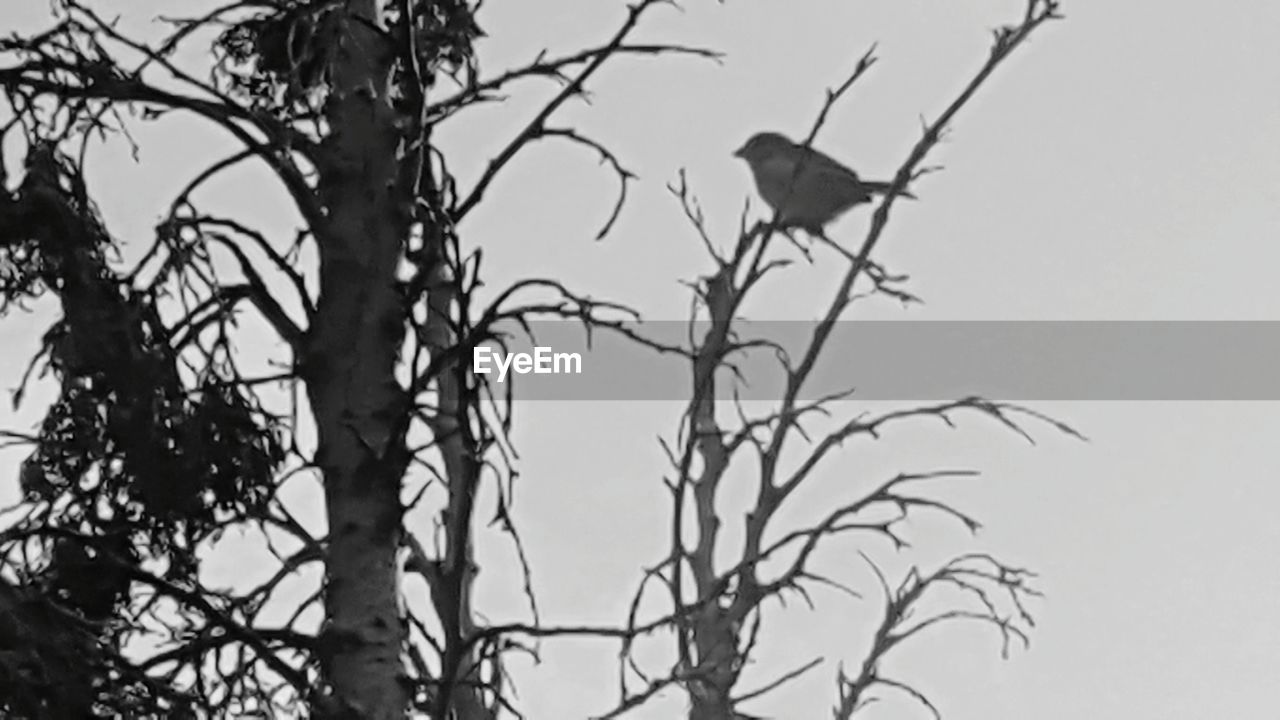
x: 54, y: 664
x: 279, y: 59
x: 128, y: 453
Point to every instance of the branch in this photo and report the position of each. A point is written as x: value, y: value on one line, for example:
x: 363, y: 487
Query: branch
x: 979, y: 575
x: 606, y: 156
x: 537, y: 125
x: 555, y: 68
x: 262, y: 297
x: 101, y: 79
x: 199, y: 222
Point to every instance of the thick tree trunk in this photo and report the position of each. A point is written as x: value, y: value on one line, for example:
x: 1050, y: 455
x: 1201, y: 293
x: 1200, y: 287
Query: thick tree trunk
x: 360, y: 410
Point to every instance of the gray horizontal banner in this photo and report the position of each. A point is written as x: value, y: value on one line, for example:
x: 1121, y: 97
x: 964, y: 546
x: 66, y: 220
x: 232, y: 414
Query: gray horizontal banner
x: 1025, y: 360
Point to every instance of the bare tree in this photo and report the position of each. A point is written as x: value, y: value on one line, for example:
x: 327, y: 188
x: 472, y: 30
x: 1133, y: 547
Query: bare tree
x: 719, y: 618
x: 161, y: 439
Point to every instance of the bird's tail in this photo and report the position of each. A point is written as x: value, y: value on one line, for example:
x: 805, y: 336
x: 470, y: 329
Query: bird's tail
x: 882, y: 188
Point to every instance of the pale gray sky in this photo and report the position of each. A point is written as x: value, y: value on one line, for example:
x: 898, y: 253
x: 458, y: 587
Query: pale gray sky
x: 1125, y: 165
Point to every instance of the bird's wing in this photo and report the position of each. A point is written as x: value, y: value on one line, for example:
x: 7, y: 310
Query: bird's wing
x: 824, y: 165
x: 829, y: 184
x: 830, y: 173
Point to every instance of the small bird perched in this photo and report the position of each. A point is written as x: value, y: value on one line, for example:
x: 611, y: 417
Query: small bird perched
x: 821, y: 191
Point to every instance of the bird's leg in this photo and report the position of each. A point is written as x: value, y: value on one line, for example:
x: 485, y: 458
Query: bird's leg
x: 789, y: 233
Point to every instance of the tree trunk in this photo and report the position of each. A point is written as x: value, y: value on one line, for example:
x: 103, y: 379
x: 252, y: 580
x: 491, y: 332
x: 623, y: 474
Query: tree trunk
x: 360, y: 410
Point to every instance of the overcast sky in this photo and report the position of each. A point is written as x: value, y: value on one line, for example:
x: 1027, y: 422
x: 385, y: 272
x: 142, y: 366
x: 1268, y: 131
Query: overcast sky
x: 1124, y: 165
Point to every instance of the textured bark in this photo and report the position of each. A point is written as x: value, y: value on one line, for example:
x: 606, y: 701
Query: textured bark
x: 714, y: 629
x: 451, y: 581
x: 361, y: 411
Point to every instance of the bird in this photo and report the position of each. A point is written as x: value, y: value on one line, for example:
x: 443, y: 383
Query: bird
x: 807, y: 188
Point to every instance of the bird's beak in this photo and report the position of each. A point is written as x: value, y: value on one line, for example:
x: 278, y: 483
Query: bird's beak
x: 740, y: 152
